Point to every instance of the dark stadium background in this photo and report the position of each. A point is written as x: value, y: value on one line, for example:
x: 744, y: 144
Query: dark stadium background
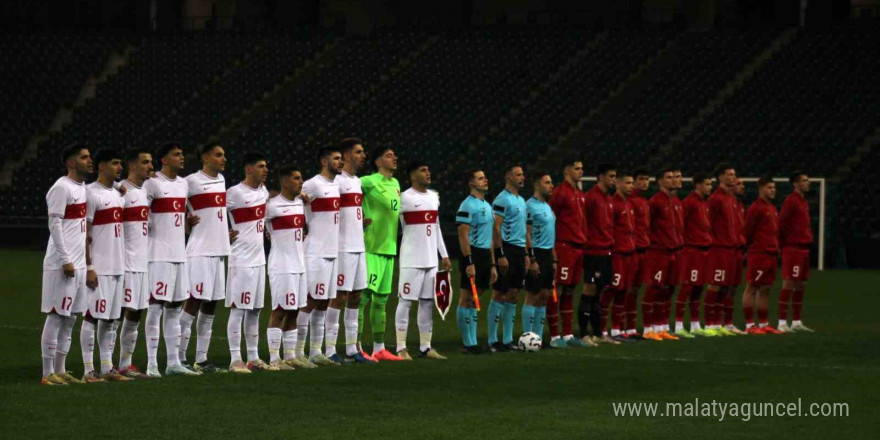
x: 770, y: 85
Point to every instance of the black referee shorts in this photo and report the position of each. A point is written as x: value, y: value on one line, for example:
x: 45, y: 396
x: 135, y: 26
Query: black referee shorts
x: 482, y: 267
x: 597, y: 270
x: 516, y: 269
x: 544, y: 280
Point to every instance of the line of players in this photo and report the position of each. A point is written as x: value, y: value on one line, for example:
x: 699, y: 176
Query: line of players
x: 118, y: 247
x: 614, y: 240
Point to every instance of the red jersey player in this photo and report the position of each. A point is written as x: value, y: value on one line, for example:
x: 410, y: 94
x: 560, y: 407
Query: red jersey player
x: 623, y: 258
x: 726, y: 235
x: 567, y: 202
x: 597, y: 256
x: 661, y: 260
x: 695, y: 255
x: 762, y: 236
x: 642, y: 241
x: 795, y: 236
x: 739, y: 191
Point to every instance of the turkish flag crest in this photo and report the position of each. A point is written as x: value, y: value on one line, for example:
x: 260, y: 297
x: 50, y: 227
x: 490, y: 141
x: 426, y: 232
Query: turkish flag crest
x: 442, y: 293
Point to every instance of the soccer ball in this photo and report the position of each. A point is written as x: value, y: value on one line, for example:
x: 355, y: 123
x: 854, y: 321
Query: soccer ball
x: 529, y: 342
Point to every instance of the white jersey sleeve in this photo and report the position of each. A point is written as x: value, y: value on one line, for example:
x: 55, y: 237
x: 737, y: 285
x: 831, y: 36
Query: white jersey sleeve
x: 286, y: 220
x: 104, y: 214
x: 206, y: 198
x: 322, y: 217
x: 167, y: 237
x: 419, y: 220
x: 135, y: 225
x: 247, y: 211
x: 66, y: 201
x: 351, y: 214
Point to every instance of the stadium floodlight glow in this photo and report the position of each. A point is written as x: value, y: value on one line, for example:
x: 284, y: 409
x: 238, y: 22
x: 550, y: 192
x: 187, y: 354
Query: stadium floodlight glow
x: 822, y: 187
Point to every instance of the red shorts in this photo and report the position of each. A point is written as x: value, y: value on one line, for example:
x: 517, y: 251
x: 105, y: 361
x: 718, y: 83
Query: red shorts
x: 795, y: 264
x: 738, y: 270
x: 761, y: 270
x: 624, y: 267
x: 723, y: 264
x: 661, y: 268
x: 694, y: 266
x: 569, y: 264
x: 640, y: 268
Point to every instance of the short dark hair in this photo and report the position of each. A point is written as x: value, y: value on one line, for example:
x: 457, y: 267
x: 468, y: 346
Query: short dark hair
x: 413, y: 166
x: 508, y: 168
x: 641, y: 171
x: 700, y: 178
x: 605, y: 167
x: 207, y: 148
x: 71, y: 151
x: 471, y: 174
x: 135, y: 153
x: 348, y: 144
x: 622, y: 173
x: 163, y: 150
x: 376, y: 153
x: 571, y: 160
x: 105, y: 155
x: 765, y: 179
x: 251, y: 158
x: 721, y: 168
x: 325, y: 152
x: 663, y: 170
x: 285, y: 170
x: 537, y: 176
x: 793, y: 177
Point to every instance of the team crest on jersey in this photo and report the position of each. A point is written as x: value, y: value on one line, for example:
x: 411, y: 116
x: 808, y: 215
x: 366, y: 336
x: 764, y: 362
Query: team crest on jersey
x: 442, y: 293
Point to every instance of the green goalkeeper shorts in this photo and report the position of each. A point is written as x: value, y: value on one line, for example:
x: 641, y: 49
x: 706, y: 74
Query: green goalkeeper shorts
x: 380, y: 271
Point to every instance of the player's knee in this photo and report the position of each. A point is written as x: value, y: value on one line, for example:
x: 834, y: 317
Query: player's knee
x: 208, y: 307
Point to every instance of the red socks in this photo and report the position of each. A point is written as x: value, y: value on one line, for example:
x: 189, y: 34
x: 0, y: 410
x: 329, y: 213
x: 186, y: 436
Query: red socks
x: 797, y: 302
x: 632, y: 310
x: 784, y: 299
x: 709, y: 309
x: 728, y: 307
x: 567, y: 314
x: 553, y: 316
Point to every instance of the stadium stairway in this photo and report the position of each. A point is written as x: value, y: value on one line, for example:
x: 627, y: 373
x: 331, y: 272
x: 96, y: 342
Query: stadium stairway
x: 676, y: 141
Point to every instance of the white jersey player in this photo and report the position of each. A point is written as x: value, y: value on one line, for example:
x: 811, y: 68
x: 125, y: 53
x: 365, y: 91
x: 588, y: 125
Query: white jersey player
x: 322, y: 251
x: 286, y: 220
x: 206, y: 252
x: 169, y: 279
x: 421, y: 242
x: 64, y: 266
x: 352, y: 278
x: 246, y: 286
x: 135, y: 228
x: 105, y: 249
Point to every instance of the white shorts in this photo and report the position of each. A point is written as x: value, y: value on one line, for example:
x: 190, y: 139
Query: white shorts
x: 63, y: 295
x: 246, y: 287
x: 416, y: 283
x: 352, y: 271
x: 322, y: 274
x: 137, y: 291
x: 289, y: 290
x: 169, y: 282
x: 105, y: 301
x: 207, y: 277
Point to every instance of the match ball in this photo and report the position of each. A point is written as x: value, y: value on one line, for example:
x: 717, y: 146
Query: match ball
x: 529, y: 342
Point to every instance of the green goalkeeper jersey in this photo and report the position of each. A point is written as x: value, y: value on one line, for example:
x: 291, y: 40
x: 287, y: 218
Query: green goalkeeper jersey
x: 382, y: 206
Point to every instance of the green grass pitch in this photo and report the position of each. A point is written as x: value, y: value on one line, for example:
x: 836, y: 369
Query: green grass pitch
x: 550, y: 394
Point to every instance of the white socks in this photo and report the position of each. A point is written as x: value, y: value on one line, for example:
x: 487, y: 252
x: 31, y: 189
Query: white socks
x: 105, y: 345
x: 154, y: 320
x: 332, y: 330
x: 426, y: 323
x: 302, y: 331
x: 49, y: 343
x: 290, y: 342
x: 186, y: 321
x: 695, y: 325
x: 252, y: 334
x: 274, y: 335
x: 204, y: 330
x: 317, y: 328
x: 63, y: 344
x: 350, y: 318
x: 87, y: 345
x: 127, y: 341
x: 401, y: 323
x: 171, y: 328
x: 233, y: 333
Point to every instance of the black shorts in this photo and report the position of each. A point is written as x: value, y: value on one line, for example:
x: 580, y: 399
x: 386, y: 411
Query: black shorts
x: 482, y: 269
x: 597, y: 270
x: 516, y: 269
x: 544, y: 280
